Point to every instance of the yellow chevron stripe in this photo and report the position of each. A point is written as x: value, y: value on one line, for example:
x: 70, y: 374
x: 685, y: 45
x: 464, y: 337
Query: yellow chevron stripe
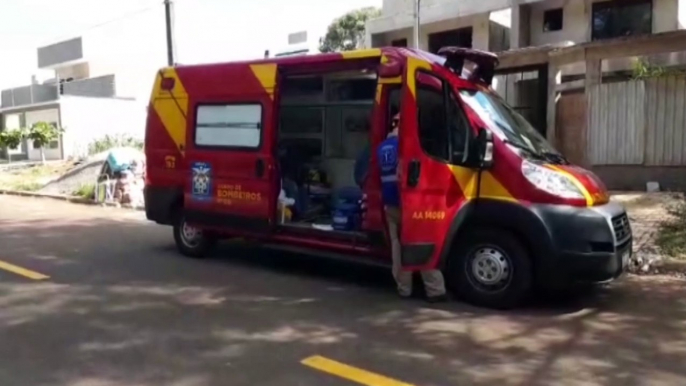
x: 172, y: 107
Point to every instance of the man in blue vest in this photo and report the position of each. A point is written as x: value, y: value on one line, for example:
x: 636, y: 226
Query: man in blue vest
x: 387, y: 154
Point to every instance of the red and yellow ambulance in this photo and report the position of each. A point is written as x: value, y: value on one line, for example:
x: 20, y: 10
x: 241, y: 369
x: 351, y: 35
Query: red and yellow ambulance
x: 281, y: 151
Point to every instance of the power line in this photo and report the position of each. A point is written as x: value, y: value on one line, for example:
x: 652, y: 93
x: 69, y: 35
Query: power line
x: 120, y: 18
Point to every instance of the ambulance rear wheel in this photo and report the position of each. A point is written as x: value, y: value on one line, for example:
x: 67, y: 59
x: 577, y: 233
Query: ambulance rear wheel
x: 490, y: 268
x: 191, y: 241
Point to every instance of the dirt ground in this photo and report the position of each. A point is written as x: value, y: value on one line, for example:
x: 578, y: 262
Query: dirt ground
x: 650, y: 213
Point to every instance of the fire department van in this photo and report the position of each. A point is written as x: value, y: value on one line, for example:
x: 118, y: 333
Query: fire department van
x: 282, y: 151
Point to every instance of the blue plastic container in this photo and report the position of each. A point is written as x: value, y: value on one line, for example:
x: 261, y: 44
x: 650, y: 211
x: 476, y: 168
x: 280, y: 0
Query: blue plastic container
x: 346, y: 217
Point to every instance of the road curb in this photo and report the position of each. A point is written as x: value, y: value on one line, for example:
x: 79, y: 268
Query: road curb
x: 72, y: 199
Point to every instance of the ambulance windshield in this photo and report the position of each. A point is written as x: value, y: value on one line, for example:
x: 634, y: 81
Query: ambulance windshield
x: 507, y: 123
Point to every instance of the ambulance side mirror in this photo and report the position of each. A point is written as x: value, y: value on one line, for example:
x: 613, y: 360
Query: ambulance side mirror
x: 485, y: 148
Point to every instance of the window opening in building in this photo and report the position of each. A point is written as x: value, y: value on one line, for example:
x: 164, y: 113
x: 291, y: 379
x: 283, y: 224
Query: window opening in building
x: 461, y: 37
x: 399, y: 43
x: 553, y: 20
x: 613, y: 19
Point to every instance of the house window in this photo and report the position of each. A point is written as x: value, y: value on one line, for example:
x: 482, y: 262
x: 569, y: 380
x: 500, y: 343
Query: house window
x: 553, y: 20
x: 237, y: 125
x: 399, y: 43
x: 612, y: 19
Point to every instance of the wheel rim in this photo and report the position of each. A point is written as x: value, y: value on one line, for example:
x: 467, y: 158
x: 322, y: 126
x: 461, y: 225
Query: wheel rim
x: 190, y: 235
x: 489, y: 269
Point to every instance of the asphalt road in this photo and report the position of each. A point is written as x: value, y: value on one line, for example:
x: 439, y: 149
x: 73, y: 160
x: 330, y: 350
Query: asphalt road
x: 118, y: 306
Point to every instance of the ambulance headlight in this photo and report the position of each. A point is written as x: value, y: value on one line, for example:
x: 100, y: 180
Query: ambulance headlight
x: 550, y: 181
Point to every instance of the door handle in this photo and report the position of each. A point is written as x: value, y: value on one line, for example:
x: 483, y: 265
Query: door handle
x: 413, y: 172
x: 259, y: 168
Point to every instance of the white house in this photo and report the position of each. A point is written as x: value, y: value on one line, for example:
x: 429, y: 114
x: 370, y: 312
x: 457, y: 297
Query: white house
x: 98, y: 85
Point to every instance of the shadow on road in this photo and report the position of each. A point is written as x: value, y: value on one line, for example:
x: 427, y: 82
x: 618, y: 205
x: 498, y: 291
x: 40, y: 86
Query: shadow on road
x: 122, y: 307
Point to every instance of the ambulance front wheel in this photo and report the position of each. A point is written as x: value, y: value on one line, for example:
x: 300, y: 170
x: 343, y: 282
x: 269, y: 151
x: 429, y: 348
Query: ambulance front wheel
x: 191, y: 241
x: 490, y: 268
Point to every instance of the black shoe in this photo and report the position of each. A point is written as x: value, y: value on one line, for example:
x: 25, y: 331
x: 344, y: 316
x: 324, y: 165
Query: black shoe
x: 401, y: 296
x: 437, y: 299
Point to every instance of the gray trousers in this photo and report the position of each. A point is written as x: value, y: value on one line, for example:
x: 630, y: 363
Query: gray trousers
x: 433, y: 279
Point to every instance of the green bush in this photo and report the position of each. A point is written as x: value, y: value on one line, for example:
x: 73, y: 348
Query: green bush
x: 112, y: 141
x: 671, y: 237
x: 85, y: 191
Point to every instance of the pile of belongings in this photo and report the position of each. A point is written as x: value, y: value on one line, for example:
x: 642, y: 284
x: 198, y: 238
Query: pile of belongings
x: 127, y: 167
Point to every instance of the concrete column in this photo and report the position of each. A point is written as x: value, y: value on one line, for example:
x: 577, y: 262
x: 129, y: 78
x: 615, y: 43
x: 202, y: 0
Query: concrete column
x: 520, y: 25
x: 594, y: 74
x: 368, y: 39
x: 666, y: 15
x: 481, y: 32
x: 588, y: 17
x: 554, y: 79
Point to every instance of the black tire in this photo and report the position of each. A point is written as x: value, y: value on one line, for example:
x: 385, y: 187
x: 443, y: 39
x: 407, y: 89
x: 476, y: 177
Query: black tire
x: 490, y: 244
x: 204, y: 245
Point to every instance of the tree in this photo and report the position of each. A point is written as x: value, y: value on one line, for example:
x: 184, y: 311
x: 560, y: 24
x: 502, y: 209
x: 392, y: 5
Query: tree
x: 346, y: 33
x: 11, y: 139
x: 42, y: 133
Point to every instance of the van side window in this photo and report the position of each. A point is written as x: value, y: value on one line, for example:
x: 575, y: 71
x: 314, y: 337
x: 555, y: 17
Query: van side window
x: 443, y: 126
x: 433, y: 135
x: 235, y: 125
x: 459, y: 128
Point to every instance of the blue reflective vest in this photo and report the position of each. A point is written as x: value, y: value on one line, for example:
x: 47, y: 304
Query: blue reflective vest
x: 388, y: 161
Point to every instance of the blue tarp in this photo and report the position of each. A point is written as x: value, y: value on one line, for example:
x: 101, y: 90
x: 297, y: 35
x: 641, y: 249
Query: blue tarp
x: 121, y: 158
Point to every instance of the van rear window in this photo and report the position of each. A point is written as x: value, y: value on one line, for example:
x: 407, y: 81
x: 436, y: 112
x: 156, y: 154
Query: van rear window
x: 236, y: 125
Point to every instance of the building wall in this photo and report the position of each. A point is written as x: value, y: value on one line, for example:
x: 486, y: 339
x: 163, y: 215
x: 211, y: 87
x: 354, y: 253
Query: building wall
x: 577, y: 20
x: 467, y: 7
x: 36, y: 93
x: 52, y: 152
x: 76, y: 71
x: 480, y: 30
x: 102, y: 86
x: 61, y: 52
x: 89, y: 119
x: 399, y: 15
x: 486, y: 34
x: 635, y: 177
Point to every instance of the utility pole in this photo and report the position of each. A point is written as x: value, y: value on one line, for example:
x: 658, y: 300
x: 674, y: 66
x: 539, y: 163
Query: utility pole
x: 416, y: 24
x: 171, y: 42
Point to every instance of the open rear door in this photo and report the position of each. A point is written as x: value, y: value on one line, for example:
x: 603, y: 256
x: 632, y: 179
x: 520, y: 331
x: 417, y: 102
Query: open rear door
x: 434, y: 134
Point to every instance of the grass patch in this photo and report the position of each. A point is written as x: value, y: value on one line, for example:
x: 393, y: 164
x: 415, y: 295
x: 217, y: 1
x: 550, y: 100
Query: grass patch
x: 672, y: 235
x: 27, y: 186
x: 32, y: 178
x: 85, y: 191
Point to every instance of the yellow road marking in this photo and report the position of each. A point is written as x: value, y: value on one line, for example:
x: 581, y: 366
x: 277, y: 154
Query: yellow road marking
x: 22, y: 271
x: 351, y: 373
